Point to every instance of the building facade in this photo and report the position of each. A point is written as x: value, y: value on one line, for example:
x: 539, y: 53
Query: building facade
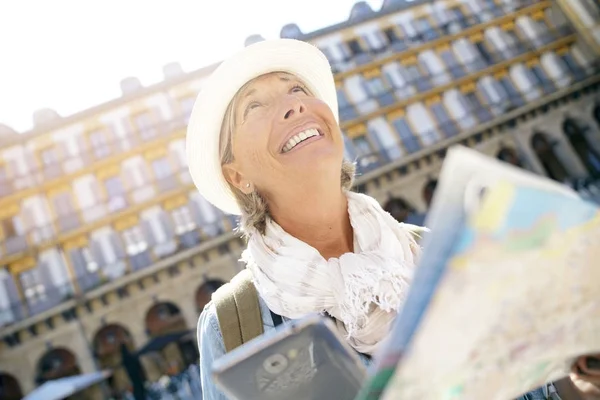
x: 104, y: 242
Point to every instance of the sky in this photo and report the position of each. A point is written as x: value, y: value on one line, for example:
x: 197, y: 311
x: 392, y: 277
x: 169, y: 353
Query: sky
x: 69, y: 55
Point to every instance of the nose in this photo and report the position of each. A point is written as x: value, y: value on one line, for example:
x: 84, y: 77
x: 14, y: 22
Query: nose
x: 294, y: 107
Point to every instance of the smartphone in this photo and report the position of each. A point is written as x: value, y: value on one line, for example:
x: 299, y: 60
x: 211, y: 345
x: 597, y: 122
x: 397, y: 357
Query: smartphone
x: 301, y: 360
x: 592, y: 362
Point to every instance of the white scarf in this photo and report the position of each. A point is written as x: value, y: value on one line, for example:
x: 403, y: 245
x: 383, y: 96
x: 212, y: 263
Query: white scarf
x: 363, y: 290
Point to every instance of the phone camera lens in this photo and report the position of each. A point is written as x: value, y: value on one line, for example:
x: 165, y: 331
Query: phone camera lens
x: 275, y: 364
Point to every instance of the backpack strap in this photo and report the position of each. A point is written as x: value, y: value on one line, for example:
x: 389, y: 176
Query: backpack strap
x: 238, y: 311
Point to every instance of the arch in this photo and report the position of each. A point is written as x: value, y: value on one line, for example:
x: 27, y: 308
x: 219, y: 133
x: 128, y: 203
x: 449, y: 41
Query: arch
x: 107, y: 349
x: 543, y: 148
x: 205, y: 291
x: 428, y: 191
x: 510, y: 156
x: 398, y: 208
x: 575, y: 132
x: 55, y: 364
x: 10, y: 389
x: 107, y: 341
x: 164, y: 318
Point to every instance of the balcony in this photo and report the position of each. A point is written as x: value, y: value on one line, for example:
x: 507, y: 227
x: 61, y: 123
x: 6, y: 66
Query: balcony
x: 43, y: 300
x: 589, y: 188
x: 423, y: 84
x: 423, y: 36
x: 167, y: 184
x: 39, y: 175
x: 15, y: 244
x: 90, y: 218
x: 51, y: 296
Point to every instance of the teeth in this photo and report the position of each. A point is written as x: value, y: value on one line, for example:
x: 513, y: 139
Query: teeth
x: 294, y: 140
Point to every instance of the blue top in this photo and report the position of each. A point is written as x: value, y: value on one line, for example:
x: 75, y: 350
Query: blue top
x: 211, y: 347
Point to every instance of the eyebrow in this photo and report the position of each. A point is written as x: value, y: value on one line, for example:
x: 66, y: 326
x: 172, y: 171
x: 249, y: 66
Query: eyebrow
x: 252, y: 91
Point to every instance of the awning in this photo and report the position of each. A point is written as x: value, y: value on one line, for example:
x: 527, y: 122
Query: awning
x: 160, y: 342
x: 59, y: 389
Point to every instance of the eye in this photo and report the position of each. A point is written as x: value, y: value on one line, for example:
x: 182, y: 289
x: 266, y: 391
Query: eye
x: 250, y: 107
x: 298, y: 89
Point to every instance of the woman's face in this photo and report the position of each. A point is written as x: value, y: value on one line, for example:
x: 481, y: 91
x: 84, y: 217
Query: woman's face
x: 282, y: 137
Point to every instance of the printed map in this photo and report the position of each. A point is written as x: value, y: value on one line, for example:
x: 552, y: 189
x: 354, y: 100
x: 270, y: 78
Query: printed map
x: 517, y: 301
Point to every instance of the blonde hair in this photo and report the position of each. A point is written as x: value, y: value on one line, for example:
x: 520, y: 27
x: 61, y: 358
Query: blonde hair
x: 253, y: 206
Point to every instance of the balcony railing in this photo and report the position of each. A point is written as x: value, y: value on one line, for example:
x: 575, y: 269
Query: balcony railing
x: 67, y: 164
x: 482, y: 113
x: 103, y: 208
x: 67, y: 223
x: 55, y: 295
x: 428, y: 82
x: 423, y: 36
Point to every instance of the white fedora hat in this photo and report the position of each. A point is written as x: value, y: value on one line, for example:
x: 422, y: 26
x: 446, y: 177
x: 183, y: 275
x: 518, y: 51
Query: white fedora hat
x: 299, y: 58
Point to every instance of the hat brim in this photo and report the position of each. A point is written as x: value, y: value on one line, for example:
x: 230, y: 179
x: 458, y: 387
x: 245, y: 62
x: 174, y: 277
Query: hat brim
x: 299, y: 58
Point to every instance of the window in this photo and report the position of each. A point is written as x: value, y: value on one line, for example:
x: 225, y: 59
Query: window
x: 410, y: 141
x: 457, y: 17
x: 375, y: 86
x: 355, y: 47
x: 514, y: 44
x: 491, y: 6
x: 475, y: 105
x: 362, y: 146
x: 366, y: 158
x: 91, y: 264
x: 385, y: 139
x: 162, y: 168
x: 391, y: 35
x: 445, y: 123
x: 484, y: 54
x: 49, y: 157
x: 328, y: 54
x: 183, y: 220
x: 413, y: 76
x: 513, y: 94
x: 33, y: 288
x: 573, y: 67
x: 452, y: 64
x: 116, y: 193
x: 100, y: 144
x: 114, y: 187
x: 424, y: 29
x: 8, y: 228
x: 346, y: 109
x: 539, y: 76
x: 63, y: 204
x: 135, y: 242
x: 187, y: 105
x: 145, y: 125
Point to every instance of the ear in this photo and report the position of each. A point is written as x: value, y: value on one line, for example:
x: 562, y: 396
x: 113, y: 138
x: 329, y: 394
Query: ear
x: 233, y: 175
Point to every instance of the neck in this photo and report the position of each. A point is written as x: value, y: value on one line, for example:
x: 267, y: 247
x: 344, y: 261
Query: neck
x: 319, y: 218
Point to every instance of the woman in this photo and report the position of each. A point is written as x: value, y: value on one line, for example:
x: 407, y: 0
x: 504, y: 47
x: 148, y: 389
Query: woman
x: 264, y: 143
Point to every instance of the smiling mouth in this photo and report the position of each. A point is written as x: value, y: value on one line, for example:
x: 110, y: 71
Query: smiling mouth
x: 300, y: 138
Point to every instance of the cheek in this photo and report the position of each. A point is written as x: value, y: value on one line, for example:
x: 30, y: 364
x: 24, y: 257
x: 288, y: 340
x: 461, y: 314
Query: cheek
x: 323, y: 110
x: 250, y: 148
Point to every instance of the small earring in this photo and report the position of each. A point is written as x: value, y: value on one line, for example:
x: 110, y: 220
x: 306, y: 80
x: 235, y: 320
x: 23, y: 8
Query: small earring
x: 247, y: 185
